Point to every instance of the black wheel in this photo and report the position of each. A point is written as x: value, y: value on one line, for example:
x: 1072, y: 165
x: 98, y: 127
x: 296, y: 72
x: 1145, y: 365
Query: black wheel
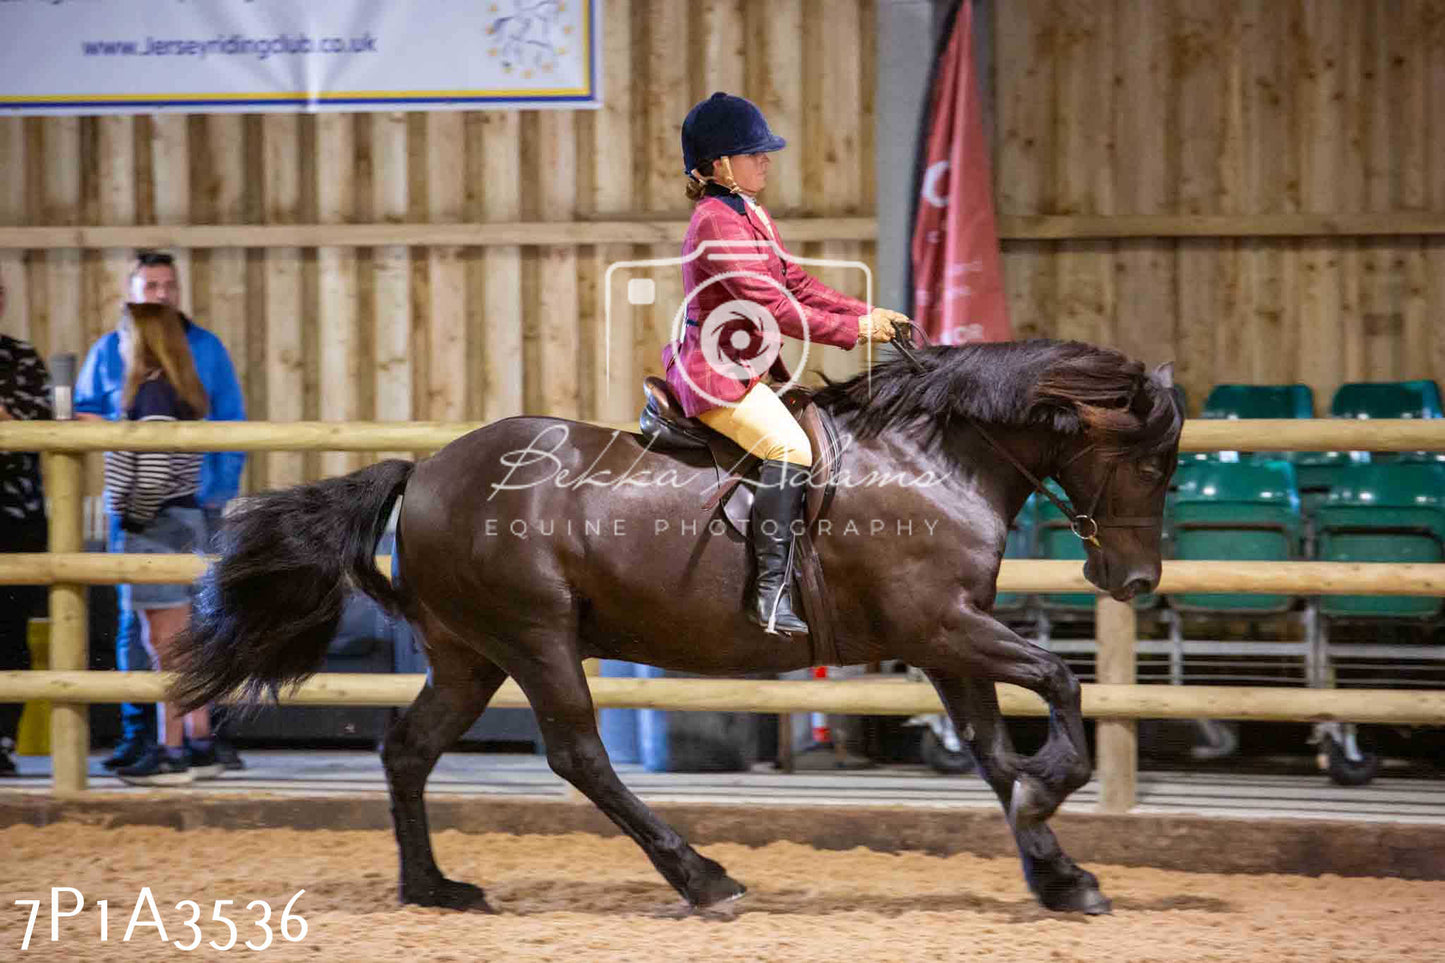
x: 1344, y: 771
x: 940, y: 759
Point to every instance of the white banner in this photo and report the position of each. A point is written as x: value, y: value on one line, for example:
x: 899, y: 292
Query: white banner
x: 206, y: 56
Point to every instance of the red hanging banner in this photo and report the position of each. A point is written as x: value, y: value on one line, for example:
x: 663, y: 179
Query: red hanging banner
x: 958, y: 293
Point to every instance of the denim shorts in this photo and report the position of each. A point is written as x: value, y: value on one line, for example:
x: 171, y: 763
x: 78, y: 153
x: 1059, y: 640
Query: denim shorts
x: 175, y: 530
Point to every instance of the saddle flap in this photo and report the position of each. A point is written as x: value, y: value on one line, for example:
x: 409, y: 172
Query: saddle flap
x: 662, y: 421
x: 664, y: 425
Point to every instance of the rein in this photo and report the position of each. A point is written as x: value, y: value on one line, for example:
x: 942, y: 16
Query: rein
x: 1084, y: 525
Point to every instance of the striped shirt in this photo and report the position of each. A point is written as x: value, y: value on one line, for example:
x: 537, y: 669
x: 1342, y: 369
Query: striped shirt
x: 139, y: 483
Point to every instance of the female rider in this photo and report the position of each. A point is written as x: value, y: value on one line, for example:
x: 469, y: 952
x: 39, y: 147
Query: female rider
x: 743, y: 292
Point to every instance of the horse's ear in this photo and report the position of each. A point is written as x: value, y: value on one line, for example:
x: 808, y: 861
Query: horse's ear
x: 1164, y: 374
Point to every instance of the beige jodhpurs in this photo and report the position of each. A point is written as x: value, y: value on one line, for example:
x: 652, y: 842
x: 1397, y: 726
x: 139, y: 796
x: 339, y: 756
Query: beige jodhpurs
x: 763, y: 426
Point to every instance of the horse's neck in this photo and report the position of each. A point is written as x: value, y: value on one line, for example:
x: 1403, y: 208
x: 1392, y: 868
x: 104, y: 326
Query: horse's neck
x: 965, y: 453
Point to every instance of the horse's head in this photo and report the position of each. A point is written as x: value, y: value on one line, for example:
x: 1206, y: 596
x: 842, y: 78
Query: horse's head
x: 1116, y: 471
x: 1108, y: 431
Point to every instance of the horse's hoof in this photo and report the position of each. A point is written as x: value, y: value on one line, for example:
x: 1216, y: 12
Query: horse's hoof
x: 447, y: 894
x: 1083, y: 899
x: 1029, y: 803
x: 723, y: 889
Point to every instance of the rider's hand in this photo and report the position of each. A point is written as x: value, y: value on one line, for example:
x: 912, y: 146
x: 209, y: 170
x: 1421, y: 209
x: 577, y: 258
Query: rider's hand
x: 878, y: 325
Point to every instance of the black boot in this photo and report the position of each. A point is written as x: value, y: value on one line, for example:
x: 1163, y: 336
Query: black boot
x: 777, y: 504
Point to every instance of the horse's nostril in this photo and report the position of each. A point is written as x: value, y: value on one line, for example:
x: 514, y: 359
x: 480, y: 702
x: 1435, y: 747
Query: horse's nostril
x: 1136, y: 587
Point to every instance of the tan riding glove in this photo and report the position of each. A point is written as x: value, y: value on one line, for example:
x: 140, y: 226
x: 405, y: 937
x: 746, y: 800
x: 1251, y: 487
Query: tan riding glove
x: 878, y: 325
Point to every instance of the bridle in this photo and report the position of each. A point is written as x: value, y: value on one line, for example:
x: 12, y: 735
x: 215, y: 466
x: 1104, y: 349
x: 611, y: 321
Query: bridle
x: 1085, y: 525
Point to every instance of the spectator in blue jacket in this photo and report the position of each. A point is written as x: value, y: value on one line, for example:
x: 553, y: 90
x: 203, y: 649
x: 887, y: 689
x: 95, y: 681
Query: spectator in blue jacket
x: 98, y: 395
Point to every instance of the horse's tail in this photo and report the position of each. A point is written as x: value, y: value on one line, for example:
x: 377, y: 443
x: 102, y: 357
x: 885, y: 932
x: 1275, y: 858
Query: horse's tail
x: 267, y: 608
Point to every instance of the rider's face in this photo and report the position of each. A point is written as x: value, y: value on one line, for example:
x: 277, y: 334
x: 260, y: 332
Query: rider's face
x: 750, y: 171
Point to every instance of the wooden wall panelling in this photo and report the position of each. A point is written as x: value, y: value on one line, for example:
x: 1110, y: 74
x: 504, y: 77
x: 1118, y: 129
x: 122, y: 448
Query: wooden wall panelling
x: 502, y: 321
x: 837, y: 144
x: 1411, y: 122
x: 283, y: 313
x: 223, y: 202
x: 667, y: 99
x: 16, y: 321
x: 556, y: 305
x: 1204, y: 268
x: 1320, y: 134
x: 720, y: 29
x: 447, y: 315
x: 391, y: 283
x: 1025, y: 155
x: 1084, y: 50
x: 339, y: 363
x: 616, y: 374
x: 115, y: 159
x: 1144, y: 270
x: 170, y: 188
x: 60, y: 204
x: 1433, y: 131
x: 1270, y: 179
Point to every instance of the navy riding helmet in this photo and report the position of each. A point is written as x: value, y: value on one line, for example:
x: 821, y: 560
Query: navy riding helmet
x: 722, y: 125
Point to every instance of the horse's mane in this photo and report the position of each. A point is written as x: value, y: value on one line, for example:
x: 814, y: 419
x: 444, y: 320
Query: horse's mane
x: 1063, y: 386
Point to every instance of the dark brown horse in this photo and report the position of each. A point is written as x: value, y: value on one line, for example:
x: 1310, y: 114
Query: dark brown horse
x: 534, y: 543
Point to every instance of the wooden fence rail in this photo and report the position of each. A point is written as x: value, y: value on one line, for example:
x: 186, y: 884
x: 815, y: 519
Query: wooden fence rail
x: 853, y: 697
x: 1016, y: 574
x: 1263, y: 434
x: 664, y: 230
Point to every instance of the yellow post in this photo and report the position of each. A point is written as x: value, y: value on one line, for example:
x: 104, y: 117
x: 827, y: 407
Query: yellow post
x: 1117, y: 739
x: 33, y: 736
x: 69, y: 631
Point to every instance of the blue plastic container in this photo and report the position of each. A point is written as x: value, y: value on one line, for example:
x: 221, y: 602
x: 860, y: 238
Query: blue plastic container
x: 675, y: 741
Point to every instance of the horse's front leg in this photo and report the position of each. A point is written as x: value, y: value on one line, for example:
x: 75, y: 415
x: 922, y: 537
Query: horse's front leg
x: 971, y: 643
x: 1057, y: 881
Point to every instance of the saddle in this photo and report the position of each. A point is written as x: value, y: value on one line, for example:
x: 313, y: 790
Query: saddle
x: 665, y: 427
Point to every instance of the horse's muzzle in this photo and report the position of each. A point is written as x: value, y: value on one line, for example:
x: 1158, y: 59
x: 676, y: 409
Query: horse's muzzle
x: 1134, y: 588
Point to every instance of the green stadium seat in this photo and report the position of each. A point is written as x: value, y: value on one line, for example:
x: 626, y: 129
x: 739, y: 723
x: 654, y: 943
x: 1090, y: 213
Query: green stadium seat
x: 1390, y: 399
x: 1258, y: 401
x: 1391, y: 512
x: 1387, y: 399
x: 1320, y: 472
x: 1248, y: 511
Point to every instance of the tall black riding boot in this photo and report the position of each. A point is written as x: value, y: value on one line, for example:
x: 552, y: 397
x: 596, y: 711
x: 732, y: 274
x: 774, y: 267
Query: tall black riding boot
x: 777, y: 504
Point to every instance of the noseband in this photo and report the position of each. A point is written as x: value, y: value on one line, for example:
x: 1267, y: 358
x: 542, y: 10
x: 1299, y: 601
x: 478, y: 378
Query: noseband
x: 1084, y: 525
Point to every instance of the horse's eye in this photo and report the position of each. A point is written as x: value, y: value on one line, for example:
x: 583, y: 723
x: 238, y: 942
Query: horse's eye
x: 1150, y: 470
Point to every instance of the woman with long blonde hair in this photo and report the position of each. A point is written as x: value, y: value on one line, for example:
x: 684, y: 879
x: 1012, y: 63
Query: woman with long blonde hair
x: 154, y: 494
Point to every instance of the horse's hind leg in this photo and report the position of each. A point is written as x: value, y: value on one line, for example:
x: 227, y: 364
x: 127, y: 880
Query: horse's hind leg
x: 1057, y: 881
x: 457, y: 691
x: 557, y: 688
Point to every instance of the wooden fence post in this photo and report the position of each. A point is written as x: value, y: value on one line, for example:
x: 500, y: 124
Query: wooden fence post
x: 69, y: 627
x: 1117, y: 739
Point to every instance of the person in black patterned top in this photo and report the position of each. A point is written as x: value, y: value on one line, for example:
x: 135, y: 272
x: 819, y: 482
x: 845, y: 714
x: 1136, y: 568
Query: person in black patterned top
x: 24, y: 396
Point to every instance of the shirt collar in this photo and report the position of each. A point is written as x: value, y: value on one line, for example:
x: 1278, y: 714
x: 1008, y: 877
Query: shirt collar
x: 732, y: 200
